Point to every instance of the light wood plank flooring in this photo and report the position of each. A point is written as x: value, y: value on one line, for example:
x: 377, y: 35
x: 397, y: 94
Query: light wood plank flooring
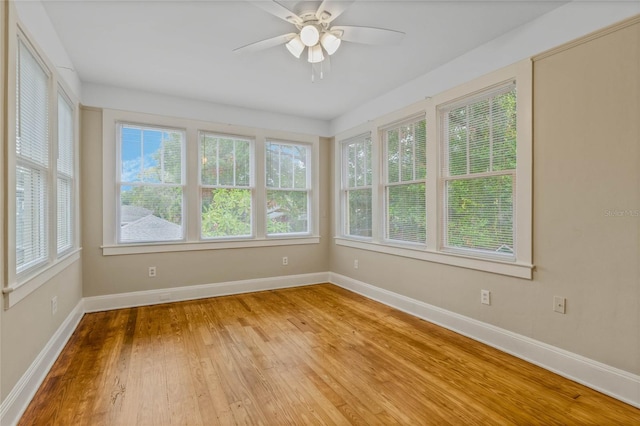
x: 310, y: 355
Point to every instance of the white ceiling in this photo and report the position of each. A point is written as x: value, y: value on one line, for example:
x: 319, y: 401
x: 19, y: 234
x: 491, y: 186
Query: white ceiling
x: 185, y: 48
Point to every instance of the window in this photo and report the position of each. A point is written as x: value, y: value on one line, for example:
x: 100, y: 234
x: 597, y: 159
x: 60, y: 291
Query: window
x: 150, y: 188
x: 357, y: 186
x: 174, y: 184
x: 226, y: 186
x: 41, y: 172
x: 479, y: 172
x: 458, y: 191
x: 65, y: 166
x: 288, y: 181
x: 405, y: 179
x: 32, y: 160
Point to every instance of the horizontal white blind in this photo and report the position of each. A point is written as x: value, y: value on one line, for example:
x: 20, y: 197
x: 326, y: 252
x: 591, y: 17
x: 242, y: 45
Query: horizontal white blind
x: 356, y: 186
x: 405, y: 186
x: 288, y: 179
x: 65, y: 179
x: 479, y: 171
x: 151, y: 188
x: 226, y: 176
x: 32, y: 159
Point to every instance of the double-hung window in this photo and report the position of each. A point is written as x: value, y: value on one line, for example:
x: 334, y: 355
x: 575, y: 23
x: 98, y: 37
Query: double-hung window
x: 357, y: 195
x: 479, y: 173
x: 41, y: 179
x: 32, y: 160
x: 288, y: 182
x: 456, y: 192
x: 226, y: 186
x: 150, y: 184
x: 405, y: 182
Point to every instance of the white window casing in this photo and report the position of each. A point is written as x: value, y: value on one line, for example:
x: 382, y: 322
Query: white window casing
x: 442, y: 245
x: 194, y: 186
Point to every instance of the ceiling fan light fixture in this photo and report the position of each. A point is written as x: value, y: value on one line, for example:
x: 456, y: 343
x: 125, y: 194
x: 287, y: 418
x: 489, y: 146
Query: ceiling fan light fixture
x: 330, y: 42
x: 315, y: 54
x: 295, y: 46
x: 309, y: 35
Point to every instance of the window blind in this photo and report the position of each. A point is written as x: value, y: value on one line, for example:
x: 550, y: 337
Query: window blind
x: 32, y: 159
x: 288, y: 181
x: 226, y: 195
x: 151, y: 184
x: 405, y: 186
x: 65, y: 181
x: 480, y: 171
x: 357, y: 186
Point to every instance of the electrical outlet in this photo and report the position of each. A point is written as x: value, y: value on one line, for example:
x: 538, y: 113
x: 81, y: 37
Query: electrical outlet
x: 285, y: 260
x: 560, y: 304
x: 152, y: 271
x: 54, y: 305
x: 485, y: 297
x: 355, y: 264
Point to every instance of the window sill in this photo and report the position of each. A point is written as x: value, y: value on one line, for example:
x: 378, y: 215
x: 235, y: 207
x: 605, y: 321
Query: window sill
x: 18, y: 291
x: 205, y: 245
x: 513, y: 269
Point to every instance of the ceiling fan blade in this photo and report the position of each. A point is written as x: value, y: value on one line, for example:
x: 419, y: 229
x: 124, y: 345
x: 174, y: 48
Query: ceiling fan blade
x: 266, y: 44
x: 331, y: 9
x: 276, y: 9
x: 368, y: 35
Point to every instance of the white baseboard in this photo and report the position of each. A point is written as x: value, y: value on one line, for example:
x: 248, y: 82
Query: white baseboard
x: 176, y: 294
x: 609, y: 380
x: 20, y: 396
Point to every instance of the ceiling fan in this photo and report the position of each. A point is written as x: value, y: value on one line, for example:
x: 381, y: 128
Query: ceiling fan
x: 314, y: 30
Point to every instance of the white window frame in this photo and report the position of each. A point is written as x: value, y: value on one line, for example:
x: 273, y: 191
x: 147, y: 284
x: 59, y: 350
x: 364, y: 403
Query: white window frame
x: 384, y: 178
x: 521, y: 266
x: 251, y: 187
x: 343, y: 213
x: 310, y: 168
x: 20, y: 284
x: 191, y: 209
x: 120, y: 183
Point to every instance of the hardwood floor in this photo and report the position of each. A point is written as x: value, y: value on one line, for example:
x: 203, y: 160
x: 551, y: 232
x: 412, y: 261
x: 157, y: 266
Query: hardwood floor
x: 310, y: 355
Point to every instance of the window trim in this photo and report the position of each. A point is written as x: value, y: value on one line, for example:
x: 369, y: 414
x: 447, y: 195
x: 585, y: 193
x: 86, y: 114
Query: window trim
x: 20, y: 285
x: 521, y: 267
x: 192, y: 240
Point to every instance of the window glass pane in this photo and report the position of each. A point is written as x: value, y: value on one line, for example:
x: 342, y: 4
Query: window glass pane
x: 406, y: 213
x: 65, y: 137
x: 359, y: 212
x: 479, y: 137
x: 208, y: 160
x: 287, y: 212
x: 457, y: 141
x: 393, y: 156
x: 226, y: 212
x: 300, y: 167
x: 480, y: 213
x: 504, y: 131
x: 273, y: 165
x: 31, y: 217
x: 151, y: 155
x: 65, y: 209
x: 150, y: 213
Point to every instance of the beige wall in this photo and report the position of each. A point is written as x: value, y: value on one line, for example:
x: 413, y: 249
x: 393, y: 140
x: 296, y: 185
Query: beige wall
x: 121, y: 274
x: 28, y: 326
x: 3, y: 143
x: 586, y: 161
